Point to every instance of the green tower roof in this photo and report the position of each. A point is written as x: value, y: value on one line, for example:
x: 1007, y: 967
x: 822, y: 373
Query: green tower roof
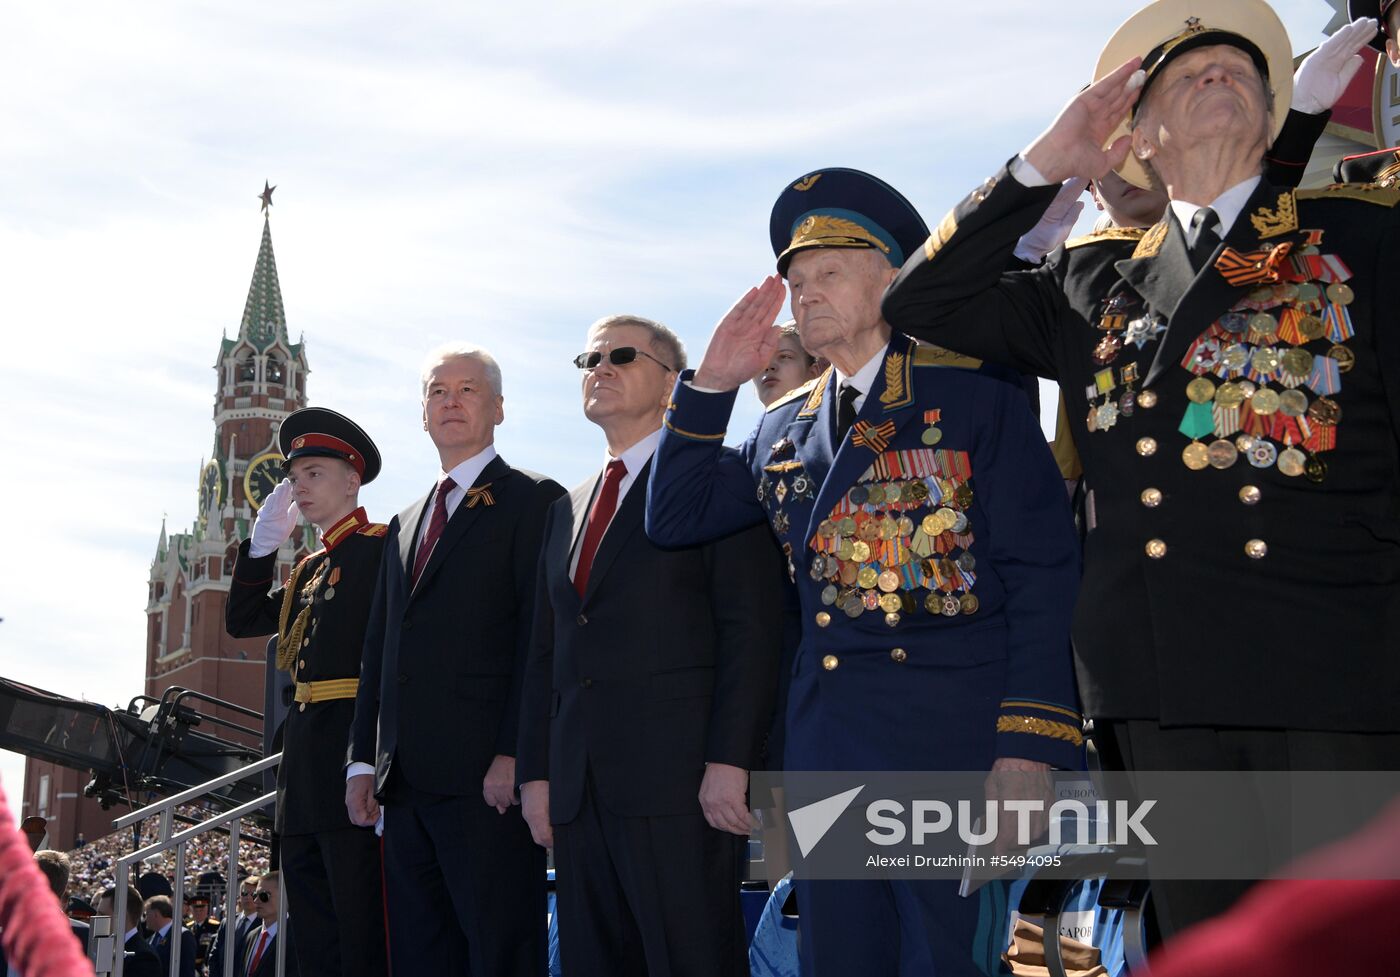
x: 264, y: 321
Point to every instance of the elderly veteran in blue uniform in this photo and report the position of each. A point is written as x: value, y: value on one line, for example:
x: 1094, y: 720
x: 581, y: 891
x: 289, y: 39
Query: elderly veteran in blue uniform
x: 1233, y: 385
x: 928, y: 536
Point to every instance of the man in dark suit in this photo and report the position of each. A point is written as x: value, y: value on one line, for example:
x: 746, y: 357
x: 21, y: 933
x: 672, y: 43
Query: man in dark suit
x: 1232, y: 384
x: 233, y: 932
x: 160, y: 922
x: 334, y: 877
x: 439, y: 699
x: 651, y: 680
x: 141, y: 960
x: 260, y: 953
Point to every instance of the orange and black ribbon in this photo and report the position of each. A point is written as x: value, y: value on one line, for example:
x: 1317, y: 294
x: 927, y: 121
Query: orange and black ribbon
x: 877, y: 439
x: 1253, y: 267
x: 482, y: 495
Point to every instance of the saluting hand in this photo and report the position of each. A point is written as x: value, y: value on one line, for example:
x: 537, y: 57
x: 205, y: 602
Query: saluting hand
x: 745, y: 339
x: 724, y: 798
x: 1324, y: 75
x: 1074, y: 143
x: 277, y: 517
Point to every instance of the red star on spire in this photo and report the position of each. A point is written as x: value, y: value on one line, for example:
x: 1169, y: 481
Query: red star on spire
x: 266, y: 196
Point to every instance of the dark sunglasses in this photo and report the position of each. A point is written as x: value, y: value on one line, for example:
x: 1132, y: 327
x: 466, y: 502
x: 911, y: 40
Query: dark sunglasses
x: 617, y: 356
x: 263, y: 896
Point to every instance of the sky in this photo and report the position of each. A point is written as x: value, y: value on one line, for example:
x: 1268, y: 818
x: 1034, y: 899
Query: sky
x: 446, y: 171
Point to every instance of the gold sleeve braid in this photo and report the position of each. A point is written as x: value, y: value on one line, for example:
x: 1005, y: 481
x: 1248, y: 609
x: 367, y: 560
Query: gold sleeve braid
x: 1040, y: 727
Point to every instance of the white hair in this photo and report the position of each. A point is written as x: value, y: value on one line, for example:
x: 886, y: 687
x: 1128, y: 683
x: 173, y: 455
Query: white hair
x: 461, y: 351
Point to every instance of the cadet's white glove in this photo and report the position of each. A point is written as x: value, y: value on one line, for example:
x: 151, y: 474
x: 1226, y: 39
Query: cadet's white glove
x: 1055, y: 226
x: 1325, y: 74
x: 276, y: 520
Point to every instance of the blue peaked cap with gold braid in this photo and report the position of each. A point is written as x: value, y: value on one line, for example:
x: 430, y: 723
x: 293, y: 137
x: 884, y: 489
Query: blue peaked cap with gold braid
x: 844, y: 208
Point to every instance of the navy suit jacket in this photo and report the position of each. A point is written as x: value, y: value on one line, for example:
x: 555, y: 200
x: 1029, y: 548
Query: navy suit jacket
x: 899, y: 686
x: 439, y: 694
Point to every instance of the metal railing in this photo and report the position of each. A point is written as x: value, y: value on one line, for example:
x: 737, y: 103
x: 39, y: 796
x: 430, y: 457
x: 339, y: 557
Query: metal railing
x: 166, y: 839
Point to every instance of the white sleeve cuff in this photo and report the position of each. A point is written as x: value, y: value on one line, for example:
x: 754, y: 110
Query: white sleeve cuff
x: 1026, y: 174
x: 702, y: 390
x: 358, y: 769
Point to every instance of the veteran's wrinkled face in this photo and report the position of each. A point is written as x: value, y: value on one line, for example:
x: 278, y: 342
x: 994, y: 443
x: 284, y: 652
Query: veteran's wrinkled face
x: 460, y: 409
x: 790, y: 367
x: 629, y: 391
x: 1212, y: 92
x: 836, y: 296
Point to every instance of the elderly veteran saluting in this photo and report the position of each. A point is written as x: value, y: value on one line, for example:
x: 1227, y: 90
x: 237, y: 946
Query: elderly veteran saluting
x: 926, y: 531
x: 1223, y: 378
x: 319, y: 615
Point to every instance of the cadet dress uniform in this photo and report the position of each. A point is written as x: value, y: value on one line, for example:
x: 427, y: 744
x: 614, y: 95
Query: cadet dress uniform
x: 1234, y: 404
x: 935, y: 564
x: 331, y: 867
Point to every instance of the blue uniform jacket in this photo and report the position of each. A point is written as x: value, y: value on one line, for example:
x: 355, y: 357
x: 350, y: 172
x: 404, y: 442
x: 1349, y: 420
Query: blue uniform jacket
x: 933, y: 554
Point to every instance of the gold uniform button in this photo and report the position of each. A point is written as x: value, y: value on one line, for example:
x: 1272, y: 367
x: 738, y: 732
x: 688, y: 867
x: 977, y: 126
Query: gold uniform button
x: 301, y: 664
x: 301, y: 706
x: 1250, y: 494
x: 1147, y: 446
x: 830, y: 662
x: 1156, y: 548
x: 305, y: 642
x: 1151, y: 497
x: 823, y: 619
x: 1147, y: 399
x: 899, y: 654
x: 1256, y: 549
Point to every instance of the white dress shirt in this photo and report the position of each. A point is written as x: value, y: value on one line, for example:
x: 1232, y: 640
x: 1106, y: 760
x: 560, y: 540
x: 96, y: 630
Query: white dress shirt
x: 1227, y: 206
x: 863, y: 379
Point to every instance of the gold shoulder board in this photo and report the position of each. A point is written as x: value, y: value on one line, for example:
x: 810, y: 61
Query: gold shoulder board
x: 926, y: 354
x: 794, y: 393
x: 1369, y: 192
x: 1107, y: 234
x: 373, y: 529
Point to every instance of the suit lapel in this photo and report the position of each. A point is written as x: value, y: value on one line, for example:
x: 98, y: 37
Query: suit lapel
x: 581, y: 499
x: 409, y: 521
x: 1192, y: 300
x: 463, y: 518
x: 628, y: 520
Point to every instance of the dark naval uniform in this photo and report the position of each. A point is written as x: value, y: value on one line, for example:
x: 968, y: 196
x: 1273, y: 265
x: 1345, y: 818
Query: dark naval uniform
x: 1212, y: 410
x: 935, y: 564
x: 331, y: 867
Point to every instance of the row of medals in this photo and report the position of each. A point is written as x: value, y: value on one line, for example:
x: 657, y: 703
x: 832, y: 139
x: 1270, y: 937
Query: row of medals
x: 1240, y: 342
x: 880, y: 513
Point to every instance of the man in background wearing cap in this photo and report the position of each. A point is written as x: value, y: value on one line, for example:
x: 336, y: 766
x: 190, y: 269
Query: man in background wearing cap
x: 1220, y: 380
x: 438, y: 713
x: 204, y: 929
x: 1383, y: 165
x: 927, y: 533
x: 333, y: 879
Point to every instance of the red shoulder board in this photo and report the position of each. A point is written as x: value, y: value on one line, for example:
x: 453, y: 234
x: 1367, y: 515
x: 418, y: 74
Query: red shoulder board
x: 372, y: 529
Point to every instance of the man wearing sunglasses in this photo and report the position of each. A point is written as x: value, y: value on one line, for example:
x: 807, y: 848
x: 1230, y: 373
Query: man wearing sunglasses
x: 437, y: 712
x: 648, y: 692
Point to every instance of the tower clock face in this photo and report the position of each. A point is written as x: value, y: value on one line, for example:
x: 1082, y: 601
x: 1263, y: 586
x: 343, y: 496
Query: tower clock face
x: 211, y: 489
x: 264, y: 472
